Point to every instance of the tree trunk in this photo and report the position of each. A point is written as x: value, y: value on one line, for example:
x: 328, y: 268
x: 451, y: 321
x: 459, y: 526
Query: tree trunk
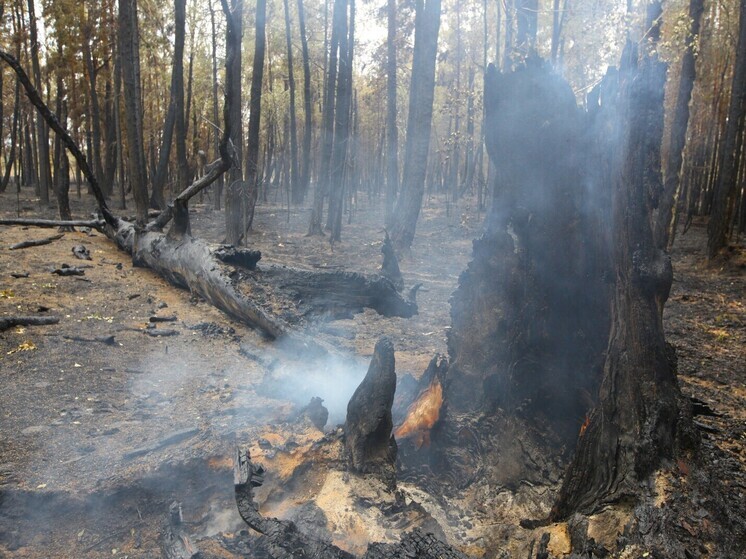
x: 178, y: 96
x: 419, y: 122
x: 305, y: 173
x: 341, y: 125
x: 235, y: 192
x: 42, y: 132
x: 527, y: 15
x: 95, y: 114
x: 295, y: 186
x: 509, y: 18
x: 218, y: 190
x: 15, y: 138
x: 255, y: 110
x: 664, y: 231
x: 724, y: 198
x: 327, y: 123
x: 129, y: 44
x: 392, y: 133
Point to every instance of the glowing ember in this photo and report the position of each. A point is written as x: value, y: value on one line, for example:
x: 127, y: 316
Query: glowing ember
x: 585, y: 425
x: 422, y: 415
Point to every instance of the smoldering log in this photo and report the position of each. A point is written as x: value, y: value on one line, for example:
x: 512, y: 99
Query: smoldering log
x: 369, y: 442
x: 175, y: 541
x: 7, y: 322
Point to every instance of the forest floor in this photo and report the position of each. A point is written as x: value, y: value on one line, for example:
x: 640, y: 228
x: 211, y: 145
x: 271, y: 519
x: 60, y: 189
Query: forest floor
x: 97, y: 439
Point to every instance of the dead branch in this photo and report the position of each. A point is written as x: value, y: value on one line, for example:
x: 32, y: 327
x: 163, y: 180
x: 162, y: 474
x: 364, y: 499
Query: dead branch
x: 36, y: 242
x: 8, y: 322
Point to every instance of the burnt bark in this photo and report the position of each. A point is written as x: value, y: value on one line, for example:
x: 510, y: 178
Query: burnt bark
x: 634, y: 426
x: 295, y: 186
x: 369, y: 442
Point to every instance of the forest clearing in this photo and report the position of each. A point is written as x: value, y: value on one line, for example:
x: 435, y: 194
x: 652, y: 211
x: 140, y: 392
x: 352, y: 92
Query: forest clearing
x: 518, y: 332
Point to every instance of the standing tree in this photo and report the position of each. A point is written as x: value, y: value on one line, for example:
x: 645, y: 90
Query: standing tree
x: 295, y: 186
x: 235, y: 192
x: 305, y: 171
x: 392, y: 134
x: 338, y: 171
x: 724, y: 200
x: 255, y: 109
x: 664, y: 225
x: 218, y: 191
x: 129, y: 47
x: 42, y: 131
x: 419, y: 122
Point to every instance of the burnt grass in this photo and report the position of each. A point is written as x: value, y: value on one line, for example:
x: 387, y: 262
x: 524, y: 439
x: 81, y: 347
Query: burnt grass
x: 96, y: 439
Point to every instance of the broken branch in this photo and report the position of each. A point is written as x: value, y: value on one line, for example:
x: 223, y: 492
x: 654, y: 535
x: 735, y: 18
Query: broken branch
x: 36, y: 242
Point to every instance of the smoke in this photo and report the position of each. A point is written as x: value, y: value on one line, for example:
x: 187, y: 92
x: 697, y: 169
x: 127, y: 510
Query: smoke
x: 333, y: 378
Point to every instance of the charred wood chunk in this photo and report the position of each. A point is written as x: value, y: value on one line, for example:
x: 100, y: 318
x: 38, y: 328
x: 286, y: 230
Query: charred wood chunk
x: 414, y: 544
x: 243, y: 258
x: 370, y: 446
x: 175, y: 541
x: 315, y: 412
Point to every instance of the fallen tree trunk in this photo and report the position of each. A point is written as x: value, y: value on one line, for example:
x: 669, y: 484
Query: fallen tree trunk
x: 92, y: 223
x: 251, y: 296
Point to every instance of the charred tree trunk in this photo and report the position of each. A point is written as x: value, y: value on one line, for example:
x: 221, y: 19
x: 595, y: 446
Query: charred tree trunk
x: 369, y: 442
x: 634, y: 426
x: 529, y: 318
x: 177, y: 91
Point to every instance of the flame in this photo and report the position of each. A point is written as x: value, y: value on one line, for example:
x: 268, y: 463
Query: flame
x: 422, y: 415
x: 585, y: 424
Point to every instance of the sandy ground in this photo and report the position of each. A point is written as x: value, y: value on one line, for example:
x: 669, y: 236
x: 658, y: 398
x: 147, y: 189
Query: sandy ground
x: 96, y: 440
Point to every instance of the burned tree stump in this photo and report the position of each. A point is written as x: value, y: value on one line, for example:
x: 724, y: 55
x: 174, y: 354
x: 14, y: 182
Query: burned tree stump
x: 530, y: 315
x: 635, y: 425
x: 369, y: 443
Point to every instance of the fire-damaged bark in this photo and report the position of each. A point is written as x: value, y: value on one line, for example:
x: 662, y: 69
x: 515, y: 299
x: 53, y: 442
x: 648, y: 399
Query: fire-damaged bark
x: 634, y: 426
x: 281, y: 539
x: 532, y: 341
x: 529, y: 318
x: 370, y: 445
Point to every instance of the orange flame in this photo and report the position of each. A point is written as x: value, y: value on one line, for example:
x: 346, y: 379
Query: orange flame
x: 422, y: 415
x: 585, y: 425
